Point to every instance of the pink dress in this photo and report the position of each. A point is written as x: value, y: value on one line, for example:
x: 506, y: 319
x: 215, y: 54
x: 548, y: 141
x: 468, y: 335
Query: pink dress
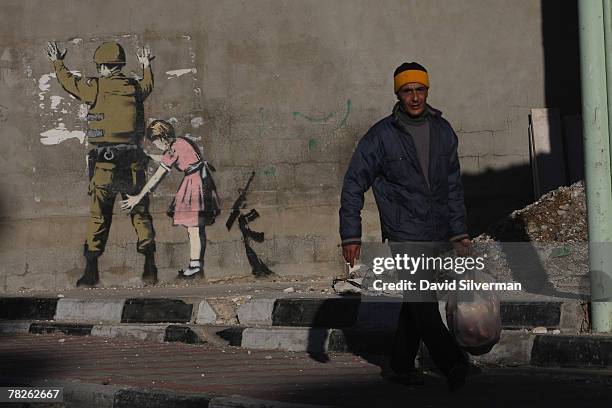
x: 189, y: 199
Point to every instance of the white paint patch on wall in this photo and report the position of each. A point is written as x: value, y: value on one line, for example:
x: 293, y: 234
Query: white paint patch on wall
x: 83, y: 109
x: 180, y: 72
x: 59, y: 134
x: 44, y: 85
x: 197, y: 122
x: 55, y: 101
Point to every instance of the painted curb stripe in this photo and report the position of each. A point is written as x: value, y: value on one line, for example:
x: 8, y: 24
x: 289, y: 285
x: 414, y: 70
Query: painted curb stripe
x: 90, y: 310
x: 27, y: 308
x: 182, y: 334
x: 143, y: 310
x: 66, y: 328
x: 572, y: 351
x: 530, y: 314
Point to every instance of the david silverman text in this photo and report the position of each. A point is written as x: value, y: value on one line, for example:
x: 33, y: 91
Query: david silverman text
x: 467, y: 284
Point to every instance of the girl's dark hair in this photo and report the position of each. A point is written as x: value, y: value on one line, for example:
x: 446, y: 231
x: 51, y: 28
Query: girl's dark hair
x: 160, y: 129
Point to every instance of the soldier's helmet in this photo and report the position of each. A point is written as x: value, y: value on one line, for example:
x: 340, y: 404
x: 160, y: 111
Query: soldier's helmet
x: 109, y: 53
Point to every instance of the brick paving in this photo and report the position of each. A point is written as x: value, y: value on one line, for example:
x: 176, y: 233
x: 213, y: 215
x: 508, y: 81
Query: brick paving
x: 344, y: 380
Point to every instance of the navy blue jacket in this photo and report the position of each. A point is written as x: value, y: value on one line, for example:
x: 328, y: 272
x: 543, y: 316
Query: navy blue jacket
x: 410, y: 209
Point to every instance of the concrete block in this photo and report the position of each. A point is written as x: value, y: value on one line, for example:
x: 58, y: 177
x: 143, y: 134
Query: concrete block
x: 139, y: 332
x: 291, y: 339
x: 256, y: 312
x: 14, y: 327
x: 315, y: 175
x: 581, y: 351
x: 132, y: 398
x: 326, y: 249
x: 513, y: 349
x: 71, y: 329
x: 573, y: 315
x: 142, y: 310
x: 337, y: 312
x: 89, y: 310
x: 469, y: 165
x: 182, y: 334
x: 206, y: 314
x: 378, y: 314
x: 530, y: 314
x: 27, y: 308
x: 475, y: 143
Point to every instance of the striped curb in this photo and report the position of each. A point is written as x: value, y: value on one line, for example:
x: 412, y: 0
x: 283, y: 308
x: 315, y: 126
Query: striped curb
x: 332, y: 312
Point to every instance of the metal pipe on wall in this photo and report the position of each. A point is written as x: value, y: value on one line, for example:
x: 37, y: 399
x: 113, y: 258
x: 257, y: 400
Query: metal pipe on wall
x: 595, y: 17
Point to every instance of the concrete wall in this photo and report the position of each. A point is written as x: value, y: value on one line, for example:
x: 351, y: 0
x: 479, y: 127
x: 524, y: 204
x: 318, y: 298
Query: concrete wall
x: 284, y: 88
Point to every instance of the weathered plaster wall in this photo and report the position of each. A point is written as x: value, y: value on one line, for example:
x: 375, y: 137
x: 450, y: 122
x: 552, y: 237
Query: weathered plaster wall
x: 285, y: 88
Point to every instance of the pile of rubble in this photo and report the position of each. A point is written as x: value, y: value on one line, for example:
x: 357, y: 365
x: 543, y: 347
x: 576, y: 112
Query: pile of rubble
x: 558, y: 216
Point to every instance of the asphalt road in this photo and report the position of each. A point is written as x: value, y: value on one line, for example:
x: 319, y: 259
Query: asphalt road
x: 345, y: 380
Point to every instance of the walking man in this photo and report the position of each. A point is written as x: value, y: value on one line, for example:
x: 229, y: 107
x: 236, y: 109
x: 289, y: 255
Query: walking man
x: 410, y: 160
x: 117, y: 162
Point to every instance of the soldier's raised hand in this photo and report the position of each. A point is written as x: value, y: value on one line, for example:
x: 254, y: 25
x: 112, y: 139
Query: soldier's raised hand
x: 54, y: 53
x: 144, y: 56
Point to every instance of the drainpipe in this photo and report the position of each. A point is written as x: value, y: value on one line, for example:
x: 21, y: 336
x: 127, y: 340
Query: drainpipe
x: 595, y: 43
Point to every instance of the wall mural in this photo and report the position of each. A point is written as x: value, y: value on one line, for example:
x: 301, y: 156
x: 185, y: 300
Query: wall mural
x: 258, y: 267
x: 117, y: 163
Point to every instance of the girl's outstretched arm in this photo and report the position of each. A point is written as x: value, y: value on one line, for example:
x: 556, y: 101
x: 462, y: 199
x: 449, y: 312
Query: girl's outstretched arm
x: 132, y: 201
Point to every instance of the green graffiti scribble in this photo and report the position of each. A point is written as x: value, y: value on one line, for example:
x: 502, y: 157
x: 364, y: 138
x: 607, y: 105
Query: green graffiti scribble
x: 312, y: 143
x: 260, y: 128
x: 346, y: 116
x: 269, y: 172
x: 312, y: 119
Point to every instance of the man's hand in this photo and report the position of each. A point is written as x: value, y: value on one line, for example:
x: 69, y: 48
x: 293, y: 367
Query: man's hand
x: 463, y: 247
x: 350, y: 253
x: 54, y: 53
x: 144, y: 56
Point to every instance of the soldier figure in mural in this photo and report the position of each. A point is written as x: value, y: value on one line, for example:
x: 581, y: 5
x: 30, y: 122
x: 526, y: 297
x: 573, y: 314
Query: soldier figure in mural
x: 196, y: 203
x: 117, y: 161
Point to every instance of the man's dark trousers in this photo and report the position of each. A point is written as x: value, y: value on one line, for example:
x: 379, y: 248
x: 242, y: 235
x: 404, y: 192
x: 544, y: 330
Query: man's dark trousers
x: 420, y: 319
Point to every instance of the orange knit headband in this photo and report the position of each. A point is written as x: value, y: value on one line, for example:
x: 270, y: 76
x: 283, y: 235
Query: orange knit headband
x: 408, y: 76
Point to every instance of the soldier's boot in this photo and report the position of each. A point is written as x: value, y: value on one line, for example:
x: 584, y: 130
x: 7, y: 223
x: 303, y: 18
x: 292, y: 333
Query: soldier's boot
x: 91, y: 277
x: 149, y: 275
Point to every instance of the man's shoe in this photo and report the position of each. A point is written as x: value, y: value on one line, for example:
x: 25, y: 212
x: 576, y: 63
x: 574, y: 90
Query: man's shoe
x: 91, y: 276
x: 456, y: 377
x: 408, y: 378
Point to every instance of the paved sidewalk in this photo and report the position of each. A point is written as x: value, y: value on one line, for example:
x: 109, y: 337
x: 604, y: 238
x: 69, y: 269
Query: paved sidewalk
x: 229, y: 289
x: 345, y: 380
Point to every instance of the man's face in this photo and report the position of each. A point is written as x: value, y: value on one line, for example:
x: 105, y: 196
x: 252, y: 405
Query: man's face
x: 413, y: 97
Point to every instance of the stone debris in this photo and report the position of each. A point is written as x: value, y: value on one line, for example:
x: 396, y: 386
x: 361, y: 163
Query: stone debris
x: 545, y: 243
x: 558, y: 216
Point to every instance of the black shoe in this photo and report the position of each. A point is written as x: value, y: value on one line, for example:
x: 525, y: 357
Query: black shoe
x: 149, y: 274
x: 409, y: 378
x: 91, y: 276
x: 456, y: 377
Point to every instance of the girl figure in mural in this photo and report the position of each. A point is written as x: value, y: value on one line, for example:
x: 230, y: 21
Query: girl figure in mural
x: 195, y: 204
